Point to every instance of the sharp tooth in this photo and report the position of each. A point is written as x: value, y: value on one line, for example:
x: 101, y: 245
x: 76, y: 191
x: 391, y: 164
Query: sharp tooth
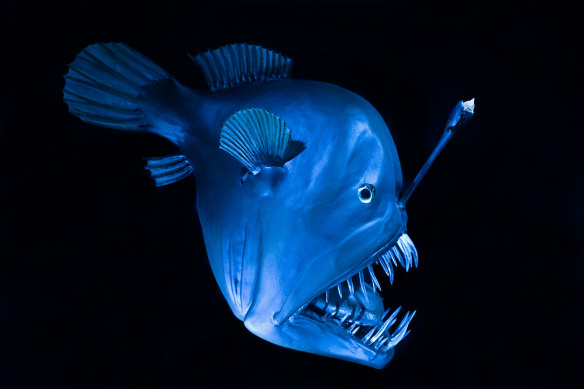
x: 412, y: 248
x: 384, y: 266
x: 415, y: 255
x: 404, y: 323
x: 339, y: 289
x: 327, y: 315
x: 355, y: 330
x: 385, y: 313
x: 392, y: 258
x: 409, y: 249
x: 400, y: 332
x: 407, y: 322
x: 350, y: 285
x: 388, y: 323
x: 385, y: 258
x: 393, y: 342
x: 406, y: 252
x: 397, y: 253
x: 366, y: 337
x: 344, y: 318
x: 373, y: 279
x: 351, y: 328
x: 326, y: 296
x: 394, y: 314
x: 380, y: 343
x: 362, y: 282
x: 399, y: 335
x: 400, y: 246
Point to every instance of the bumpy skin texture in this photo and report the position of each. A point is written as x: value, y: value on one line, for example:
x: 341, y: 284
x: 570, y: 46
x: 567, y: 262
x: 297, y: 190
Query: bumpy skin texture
x: 281, y: 237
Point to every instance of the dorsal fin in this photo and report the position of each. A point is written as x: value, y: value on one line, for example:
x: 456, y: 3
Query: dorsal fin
x: 238, y: 64
x: 258, y: 138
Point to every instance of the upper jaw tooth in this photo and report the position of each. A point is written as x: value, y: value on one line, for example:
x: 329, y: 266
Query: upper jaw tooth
x: 350, y: 285
x: 386, y: 265
x: 398, y: 255
x: 404, y: 253
x: 412, y: 248
x: 373, y: 279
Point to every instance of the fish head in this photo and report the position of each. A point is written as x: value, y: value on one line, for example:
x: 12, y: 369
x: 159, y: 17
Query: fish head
x: 322, y: 218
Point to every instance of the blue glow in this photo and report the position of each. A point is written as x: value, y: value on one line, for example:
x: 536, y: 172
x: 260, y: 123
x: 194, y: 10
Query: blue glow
x: 278, y: 164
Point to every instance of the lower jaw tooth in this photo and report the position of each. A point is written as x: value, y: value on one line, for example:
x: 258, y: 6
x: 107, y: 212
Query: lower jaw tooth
x: 380, y: 343
x: 400, y: 332
x: 388, y: 323
x: 368, y: 336
x: 385, y: 313
x: 395, y: 339
x: 344, y: 318
x: 352, y: 327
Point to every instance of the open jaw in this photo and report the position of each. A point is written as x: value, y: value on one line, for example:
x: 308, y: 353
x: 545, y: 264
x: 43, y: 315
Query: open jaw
x: 352, y: 310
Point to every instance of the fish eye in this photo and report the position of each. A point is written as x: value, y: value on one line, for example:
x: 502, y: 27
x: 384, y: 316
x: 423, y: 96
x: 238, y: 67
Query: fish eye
x: 366, y: 193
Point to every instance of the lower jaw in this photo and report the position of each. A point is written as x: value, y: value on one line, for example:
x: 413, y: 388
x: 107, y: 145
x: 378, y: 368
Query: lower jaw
x: 336, y: 344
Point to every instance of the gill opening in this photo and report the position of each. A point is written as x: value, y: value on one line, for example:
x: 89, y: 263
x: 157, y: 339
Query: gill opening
x: 459, y: 116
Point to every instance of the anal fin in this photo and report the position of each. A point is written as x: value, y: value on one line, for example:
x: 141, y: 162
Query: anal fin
x: 169, y: 169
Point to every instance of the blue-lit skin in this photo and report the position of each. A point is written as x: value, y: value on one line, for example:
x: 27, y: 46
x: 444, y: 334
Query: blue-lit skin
x: 278, y: 240
x: 303, y: 226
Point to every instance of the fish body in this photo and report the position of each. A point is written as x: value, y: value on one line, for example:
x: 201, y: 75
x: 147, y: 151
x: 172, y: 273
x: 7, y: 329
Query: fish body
x: 303, y: 223
x: 298, y: 189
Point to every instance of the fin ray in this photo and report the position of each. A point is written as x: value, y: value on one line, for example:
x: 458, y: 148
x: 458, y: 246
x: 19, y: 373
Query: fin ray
x: 110, y: 85
x: 257, y: 139
x: 169, y: 169
x: 237, y: 64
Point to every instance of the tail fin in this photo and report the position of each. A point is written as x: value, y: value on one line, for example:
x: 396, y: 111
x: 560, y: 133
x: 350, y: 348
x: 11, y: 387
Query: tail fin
x: 112, y: 85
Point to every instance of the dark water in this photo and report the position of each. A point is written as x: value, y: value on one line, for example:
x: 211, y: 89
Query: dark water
x: 104, y: 280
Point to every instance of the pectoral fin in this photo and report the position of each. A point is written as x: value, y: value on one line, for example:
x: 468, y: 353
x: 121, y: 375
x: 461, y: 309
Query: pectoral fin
x: 258, y: 139
x: 168, y: 170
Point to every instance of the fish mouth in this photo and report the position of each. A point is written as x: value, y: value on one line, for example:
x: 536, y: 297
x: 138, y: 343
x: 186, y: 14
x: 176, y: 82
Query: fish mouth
x: 353, y: 308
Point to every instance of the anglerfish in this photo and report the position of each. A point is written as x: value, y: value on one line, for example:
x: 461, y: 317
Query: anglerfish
x: 299, y: 188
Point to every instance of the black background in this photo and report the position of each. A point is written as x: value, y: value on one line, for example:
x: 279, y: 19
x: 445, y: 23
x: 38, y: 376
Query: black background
x: 104, y: 280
